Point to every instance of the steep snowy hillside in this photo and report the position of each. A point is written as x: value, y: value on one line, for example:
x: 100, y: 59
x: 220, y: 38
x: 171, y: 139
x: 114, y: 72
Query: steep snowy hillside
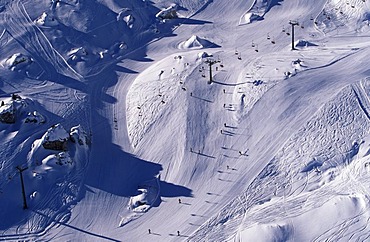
x: 184, y: 120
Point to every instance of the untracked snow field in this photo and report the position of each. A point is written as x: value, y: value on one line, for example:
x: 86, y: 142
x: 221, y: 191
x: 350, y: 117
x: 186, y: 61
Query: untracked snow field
x: 184, y: 120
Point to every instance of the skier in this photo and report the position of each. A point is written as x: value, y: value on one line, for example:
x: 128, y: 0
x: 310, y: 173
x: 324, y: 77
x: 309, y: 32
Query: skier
x: 178, y: 233
x: 179, y: 200
x: 149, y: 231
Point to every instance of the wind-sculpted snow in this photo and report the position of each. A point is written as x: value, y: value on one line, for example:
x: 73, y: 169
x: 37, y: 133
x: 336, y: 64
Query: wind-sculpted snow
x: 341, y: 14
x: 304, y: 177
x: 19, y: 25
x: 257, y: 11
x: 153, y: 90
x: 197, y: 120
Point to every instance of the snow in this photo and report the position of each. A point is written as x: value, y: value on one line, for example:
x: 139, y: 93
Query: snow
x: 55, y: 133
x: 275, y: 148
x: 195, y: 42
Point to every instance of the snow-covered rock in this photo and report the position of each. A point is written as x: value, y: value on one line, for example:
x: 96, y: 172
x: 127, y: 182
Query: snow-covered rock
x: 55, y: 138
x: 7, y: 113
x: 77, y: 53
x: 46, y: 20
x: 34, y: 117
x: 78, y: 135
x: 168, y: 13
x: 16, y: 61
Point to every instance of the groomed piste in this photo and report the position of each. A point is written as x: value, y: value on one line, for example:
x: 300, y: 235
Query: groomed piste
x: 184, y: 120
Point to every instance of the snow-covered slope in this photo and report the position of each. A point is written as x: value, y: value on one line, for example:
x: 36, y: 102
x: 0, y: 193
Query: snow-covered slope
x: 184, y: 120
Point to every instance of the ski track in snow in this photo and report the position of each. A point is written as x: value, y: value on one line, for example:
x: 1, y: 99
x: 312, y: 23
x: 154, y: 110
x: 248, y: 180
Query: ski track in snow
x: 278, y: 141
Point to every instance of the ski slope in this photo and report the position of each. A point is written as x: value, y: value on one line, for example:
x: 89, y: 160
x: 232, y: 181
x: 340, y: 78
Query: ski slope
x: 275, y: 148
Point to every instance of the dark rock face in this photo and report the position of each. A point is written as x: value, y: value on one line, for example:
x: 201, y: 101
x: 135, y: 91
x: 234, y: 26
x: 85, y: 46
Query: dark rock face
x: 8, y: 117
x: 55, y: 145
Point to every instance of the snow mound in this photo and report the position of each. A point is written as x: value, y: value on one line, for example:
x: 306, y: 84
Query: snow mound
x: 57, y: 160
x: 78, y: 135
x: 76, y: 54
x: 46, y: 20
x: 303, y: 43
x: 257, y: 11
x: 203, y: 55
x: 266, y: 233
x: 195, y: 42
x: 16, y: 61
x: 249, y: 18
x: 328, y: 215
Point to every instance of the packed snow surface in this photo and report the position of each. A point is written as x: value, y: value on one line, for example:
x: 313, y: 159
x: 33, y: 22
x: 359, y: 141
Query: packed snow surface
x: 184, y: 120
